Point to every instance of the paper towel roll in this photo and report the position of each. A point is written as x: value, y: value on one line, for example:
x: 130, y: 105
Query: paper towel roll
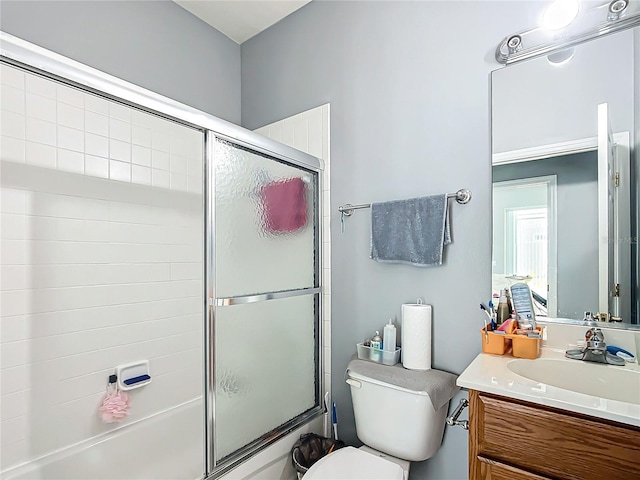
x: 416, y: 336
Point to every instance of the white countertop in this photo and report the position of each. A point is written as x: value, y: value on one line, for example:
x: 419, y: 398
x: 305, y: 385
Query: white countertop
x: 489, y: 373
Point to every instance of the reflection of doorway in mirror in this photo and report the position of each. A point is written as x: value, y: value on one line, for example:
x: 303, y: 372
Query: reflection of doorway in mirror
x: 525, y: 243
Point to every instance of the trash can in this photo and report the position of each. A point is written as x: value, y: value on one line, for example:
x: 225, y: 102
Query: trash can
x: 309, y: 449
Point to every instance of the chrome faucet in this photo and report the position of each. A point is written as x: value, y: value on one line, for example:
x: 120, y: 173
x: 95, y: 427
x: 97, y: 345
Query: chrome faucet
x: 595, y: 349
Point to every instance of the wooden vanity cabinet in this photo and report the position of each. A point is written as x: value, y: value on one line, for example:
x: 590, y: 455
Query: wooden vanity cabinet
x: 515, y: 440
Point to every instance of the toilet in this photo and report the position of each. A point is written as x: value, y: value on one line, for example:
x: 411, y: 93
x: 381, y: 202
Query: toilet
x: 395, y: 419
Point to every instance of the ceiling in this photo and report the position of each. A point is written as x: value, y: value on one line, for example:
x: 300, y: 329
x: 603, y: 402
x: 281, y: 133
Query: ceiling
x: 241, y: 19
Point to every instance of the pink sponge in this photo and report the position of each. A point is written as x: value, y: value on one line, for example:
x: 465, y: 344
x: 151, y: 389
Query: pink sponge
x: 115, y: 405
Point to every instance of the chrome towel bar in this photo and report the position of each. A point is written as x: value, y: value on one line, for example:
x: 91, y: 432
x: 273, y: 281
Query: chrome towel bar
x: 462, y: 196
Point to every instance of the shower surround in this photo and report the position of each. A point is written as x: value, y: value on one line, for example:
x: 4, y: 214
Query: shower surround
x: 105, y: 219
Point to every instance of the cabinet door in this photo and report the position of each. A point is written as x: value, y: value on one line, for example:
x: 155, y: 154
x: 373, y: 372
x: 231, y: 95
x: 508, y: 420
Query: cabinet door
x: 551, y: 442
x: 490, y: 470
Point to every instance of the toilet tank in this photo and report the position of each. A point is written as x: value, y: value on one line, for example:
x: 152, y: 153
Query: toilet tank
x: 397, y: 421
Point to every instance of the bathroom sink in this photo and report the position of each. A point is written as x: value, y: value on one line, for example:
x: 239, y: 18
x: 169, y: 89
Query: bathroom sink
x: 599, y: 380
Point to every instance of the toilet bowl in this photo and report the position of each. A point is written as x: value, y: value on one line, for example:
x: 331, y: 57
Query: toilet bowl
x: 404, y: 464
x: 396, y: 418
x: 350, y: 463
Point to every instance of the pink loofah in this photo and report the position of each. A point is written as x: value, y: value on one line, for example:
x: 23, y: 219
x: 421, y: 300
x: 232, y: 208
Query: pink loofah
x: 115, y: 406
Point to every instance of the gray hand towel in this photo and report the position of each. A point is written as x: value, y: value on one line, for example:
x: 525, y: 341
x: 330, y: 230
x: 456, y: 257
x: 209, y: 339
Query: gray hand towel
x: 440, y: 386
x: 412, y: 231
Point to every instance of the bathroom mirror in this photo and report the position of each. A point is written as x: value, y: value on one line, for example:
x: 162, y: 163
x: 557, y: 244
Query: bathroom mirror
x: 565, y: 175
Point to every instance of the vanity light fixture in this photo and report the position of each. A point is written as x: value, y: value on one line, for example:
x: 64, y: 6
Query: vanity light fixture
x: 567, y: 23
x: 560, y: 13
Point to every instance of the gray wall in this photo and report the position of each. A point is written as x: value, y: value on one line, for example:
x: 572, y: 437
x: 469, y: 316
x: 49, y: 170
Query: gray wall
x: 577, y: 220
x: 408, y: 84
x: 536, y: 103
x: 154, y: 44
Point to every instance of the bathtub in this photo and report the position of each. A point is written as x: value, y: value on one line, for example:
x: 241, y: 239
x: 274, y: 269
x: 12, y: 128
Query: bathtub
x: 165, y: 446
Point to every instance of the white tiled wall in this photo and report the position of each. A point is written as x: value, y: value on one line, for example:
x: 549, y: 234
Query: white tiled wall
x: 309, y: 132
x: 54, y: 126
x: 101, y: 253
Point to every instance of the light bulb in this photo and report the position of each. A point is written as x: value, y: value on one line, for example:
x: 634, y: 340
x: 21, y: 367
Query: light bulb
x: 560, y: 13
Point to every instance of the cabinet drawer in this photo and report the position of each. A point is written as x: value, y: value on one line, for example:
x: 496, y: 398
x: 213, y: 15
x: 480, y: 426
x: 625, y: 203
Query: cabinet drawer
x: 553, y: 443
x: 491, y: 470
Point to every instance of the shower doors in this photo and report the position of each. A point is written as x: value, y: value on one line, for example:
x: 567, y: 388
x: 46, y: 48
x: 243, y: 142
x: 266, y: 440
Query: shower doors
x: 185, y: 205
x: 264, y: 290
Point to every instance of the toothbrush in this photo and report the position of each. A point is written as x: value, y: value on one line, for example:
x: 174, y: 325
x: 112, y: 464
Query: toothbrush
x: 486, y: 332
x: 486, y: 327
x: 326, y: 422
x: 485, y: 309
x: 334, y: 414
x: 492, y: 310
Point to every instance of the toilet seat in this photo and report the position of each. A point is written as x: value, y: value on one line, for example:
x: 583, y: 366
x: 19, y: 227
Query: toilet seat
x: 350, y: 463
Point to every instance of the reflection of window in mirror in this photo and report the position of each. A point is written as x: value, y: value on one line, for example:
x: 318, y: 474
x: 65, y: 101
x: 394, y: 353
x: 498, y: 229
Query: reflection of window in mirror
x: 524, y: 237
x: 528, y: 252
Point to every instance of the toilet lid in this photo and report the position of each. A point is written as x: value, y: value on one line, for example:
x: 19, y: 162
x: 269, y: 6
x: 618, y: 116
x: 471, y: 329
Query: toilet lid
x: 350, y: 463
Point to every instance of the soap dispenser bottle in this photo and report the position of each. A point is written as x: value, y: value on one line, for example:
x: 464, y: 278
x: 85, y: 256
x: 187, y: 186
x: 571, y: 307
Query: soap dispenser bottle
x: 389, y: 338
x: 376, y: 348
x: 503, y: 307
x: 376, y: 341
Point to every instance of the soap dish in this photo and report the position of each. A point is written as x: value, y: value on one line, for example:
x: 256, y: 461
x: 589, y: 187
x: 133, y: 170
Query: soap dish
x: 377, y: 355
x: 133, y: 375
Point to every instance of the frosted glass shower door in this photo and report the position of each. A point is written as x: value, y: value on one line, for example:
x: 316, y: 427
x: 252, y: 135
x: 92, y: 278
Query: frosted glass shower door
x: 265, y: 235
x: 266, y: 296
